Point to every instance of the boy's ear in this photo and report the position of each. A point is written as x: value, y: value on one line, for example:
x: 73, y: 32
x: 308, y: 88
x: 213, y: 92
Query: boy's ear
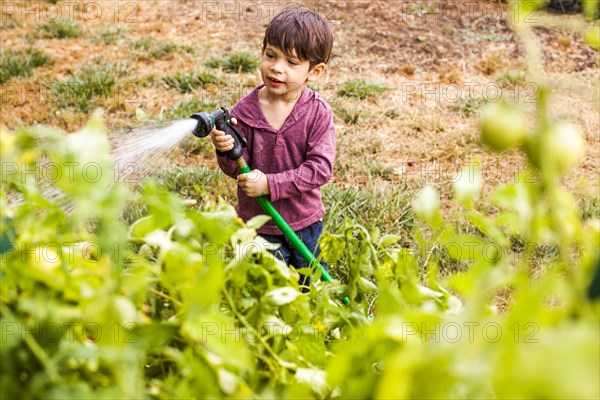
x: 316, y: 72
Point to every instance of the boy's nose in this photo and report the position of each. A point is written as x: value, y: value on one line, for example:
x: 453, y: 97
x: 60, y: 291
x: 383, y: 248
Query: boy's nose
x: 277, y: 66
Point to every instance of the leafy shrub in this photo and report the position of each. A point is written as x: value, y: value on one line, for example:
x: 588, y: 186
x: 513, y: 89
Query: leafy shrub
x: 21, y: 63
x: 186, y: 301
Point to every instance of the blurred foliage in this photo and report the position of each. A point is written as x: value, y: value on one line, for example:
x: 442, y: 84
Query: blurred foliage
x: 186, y: 301
x: 566, y: 6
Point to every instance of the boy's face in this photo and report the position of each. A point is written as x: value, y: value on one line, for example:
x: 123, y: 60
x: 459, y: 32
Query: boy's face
x: 286, y: 75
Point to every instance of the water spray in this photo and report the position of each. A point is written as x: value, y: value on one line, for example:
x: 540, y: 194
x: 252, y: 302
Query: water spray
x: 221, y: 120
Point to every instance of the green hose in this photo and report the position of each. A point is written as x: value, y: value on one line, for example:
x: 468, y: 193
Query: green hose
x: 288, y: 232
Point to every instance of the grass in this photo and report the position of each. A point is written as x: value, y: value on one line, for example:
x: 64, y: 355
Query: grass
x: 8, y: 22
x: 468, y: 106
x: 149, y: 48
x: 492, y: 63
x: 380, y: 171
x: 89, y: 85
x: 511, y: 78
x: 189, y: 81
x: 133, y: 211
x: 109, y: 35
x: 588, y: 208
x: 380, y: 204
x: 60, y: 30
x: 236, y: 62
x: 185, y: 108
x: 21, y: 62
x: 199, y: 183
x: 361, y: 89
x: 351, y: 114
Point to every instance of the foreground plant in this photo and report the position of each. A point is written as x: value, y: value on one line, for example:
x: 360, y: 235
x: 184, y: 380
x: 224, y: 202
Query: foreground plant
x: 187, y: 303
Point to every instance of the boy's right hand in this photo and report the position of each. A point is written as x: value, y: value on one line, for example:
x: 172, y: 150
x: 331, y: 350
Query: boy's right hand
x: 222, y: 142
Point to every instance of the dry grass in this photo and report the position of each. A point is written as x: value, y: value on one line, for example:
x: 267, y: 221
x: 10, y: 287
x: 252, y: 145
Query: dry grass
x: 414, y: 130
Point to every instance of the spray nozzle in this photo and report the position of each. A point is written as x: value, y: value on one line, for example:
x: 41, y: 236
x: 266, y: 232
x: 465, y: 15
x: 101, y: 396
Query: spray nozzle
x: 205, y: 124
x: 221, y: 120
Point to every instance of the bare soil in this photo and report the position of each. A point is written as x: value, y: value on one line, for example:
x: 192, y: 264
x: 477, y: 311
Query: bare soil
x: 437, y: 59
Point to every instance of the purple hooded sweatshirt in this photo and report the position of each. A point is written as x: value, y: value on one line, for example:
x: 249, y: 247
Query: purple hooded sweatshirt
x: 297, y: 159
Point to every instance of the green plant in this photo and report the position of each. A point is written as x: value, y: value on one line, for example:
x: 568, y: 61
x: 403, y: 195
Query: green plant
x: 187, y: 82
x: 468, y: 106
x: 109, y: 35
x: 502, y: 126
x: 377, y: 205
x: 21, y: 63
x: 214, y: 62
x: 60, y: 30
x: 9, y: 22
x: 589, y: 208
x: 198, y: 183
x: 241, y: 62
x: 236, y: 62
x: 474, y: 297
x: 88, y: 87
x: 187, y: 107
x: 153, y: 48
x: 361, y: 89
x: 186, y: 301
x: 352, y: 114
x: 511, y: 78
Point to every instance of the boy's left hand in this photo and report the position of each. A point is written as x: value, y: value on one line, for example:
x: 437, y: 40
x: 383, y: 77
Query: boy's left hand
x: 254, y: 183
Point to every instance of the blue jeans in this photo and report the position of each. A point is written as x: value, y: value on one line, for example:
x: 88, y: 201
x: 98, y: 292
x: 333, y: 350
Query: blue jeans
x: 288, y: 254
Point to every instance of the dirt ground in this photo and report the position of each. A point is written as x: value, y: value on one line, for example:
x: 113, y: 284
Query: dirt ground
x: 439, y: 60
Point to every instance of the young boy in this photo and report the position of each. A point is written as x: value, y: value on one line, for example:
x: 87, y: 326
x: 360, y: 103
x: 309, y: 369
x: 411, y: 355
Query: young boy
x: 290, y: 133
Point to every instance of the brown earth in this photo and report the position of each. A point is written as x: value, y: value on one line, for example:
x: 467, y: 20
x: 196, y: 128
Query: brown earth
x: 437, y: 60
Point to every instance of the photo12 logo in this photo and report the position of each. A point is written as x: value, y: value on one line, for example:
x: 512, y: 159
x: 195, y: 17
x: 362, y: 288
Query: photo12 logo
x: 260, y: 11
x: 54, y: 332
x: 70, y: 11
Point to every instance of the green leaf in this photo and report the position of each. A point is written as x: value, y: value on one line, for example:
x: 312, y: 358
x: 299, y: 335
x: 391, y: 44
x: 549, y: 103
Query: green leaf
x: 257, y: 221
x: 388, y: 240
x: 315, y: 378
x: 488, y: 227
x: 281, y: 296
x: 143, y: 226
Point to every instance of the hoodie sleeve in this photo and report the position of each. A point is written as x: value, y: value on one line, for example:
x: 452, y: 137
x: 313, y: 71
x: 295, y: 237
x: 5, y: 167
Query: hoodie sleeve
x: 317, y: 169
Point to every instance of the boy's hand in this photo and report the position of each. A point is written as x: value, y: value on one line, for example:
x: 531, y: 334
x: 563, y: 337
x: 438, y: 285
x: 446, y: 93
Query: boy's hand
x: 254, y: 183
x: 222, y: 142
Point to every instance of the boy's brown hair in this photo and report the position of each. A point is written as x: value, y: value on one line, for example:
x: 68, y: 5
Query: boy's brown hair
x: 302, y: 30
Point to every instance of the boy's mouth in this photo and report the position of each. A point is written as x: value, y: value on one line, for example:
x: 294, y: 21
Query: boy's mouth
x: 274, y: 82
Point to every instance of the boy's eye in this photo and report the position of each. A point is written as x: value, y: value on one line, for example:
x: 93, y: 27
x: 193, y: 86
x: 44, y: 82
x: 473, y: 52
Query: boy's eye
x: 293, y: 62
x: 270, y: 55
